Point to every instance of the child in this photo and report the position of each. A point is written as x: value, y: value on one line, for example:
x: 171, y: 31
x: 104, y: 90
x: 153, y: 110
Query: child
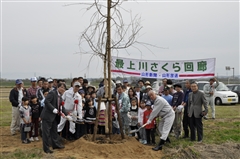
x: 101, y: 119
x: 142, y: 132
x: 115, y: 127
x: 90, y: 116
x: 133, y: 115
x: 25, y: 114
x: 36, y: 111
x: 150, y: 128
x: 93, y: 96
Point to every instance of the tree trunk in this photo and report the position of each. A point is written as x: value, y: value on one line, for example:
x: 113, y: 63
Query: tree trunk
x: 109, y: 66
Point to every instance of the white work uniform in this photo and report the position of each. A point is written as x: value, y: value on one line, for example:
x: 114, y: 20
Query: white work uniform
x: 164, y: 110
x: 75, y: 109
x: 210, y: 98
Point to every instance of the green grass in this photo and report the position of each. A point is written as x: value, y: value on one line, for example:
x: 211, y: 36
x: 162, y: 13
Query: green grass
x: 5, y: 112
x: 23, y: 154
x: 225, y: 128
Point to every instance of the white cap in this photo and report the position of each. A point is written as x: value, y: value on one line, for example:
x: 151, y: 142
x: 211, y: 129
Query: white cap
x: 33, y: 79
x: 76, y: 84
x: 118, y: 82
x: 50, y: 80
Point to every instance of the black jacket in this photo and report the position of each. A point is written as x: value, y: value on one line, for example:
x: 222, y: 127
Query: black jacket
x: 13, y: 96
x: 51, y: 102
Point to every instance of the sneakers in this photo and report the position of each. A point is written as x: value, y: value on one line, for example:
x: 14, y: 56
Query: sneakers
x: 205, y: 118
x: 31, y: 139
x: 26, y: 141
x: 144, y: 142
x: 36, y: 139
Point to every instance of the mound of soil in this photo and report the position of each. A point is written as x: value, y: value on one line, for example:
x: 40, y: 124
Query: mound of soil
x: 104, y: 148
x: 82, y: 148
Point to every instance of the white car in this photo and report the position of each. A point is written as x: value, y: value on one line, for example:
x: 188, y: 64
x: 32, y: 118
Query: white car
x: 222, y: 94
x: 156, y: 85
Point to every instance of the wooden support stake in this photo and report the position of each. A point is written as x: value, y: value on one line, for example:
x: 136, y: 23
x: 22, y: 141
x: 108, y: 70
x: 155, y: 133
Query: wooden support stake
x: 119, y: 119
x: 97, y: 118
x: 110, y: 119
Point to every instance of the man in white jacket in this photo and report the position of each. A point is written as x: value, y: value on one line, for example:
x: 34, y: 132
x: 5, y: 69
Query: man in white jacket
x: 164, y: 110
x: 73, y: 106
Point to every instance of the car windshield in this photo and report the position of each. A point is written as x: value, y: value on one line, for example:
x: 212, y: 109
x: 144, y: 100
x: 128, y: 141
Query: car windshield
x: 222, y: 87
x: 230, y: 87
x: 200, y: 86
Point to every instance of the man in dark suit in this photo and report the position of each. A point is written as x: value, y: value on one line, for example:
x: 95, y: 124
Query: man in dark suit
x: 195, y: 101
x: 49, y: 120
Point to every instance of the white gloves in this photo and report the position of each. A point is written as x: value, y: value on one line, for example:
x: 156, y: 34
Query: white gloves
x: 69, y: 118
x: 148, y: 122
x: 55, y: 111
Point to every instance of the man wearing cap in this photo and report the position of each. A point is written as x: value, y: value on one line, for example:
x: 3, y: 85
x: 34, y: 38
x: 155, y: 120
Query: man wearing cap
x: 167, y: 96
x: 209, y: 90
x: 145, y: 95
x: 50, y: 85
x: 164, y: 110
x: 15, y: 97
x: 33, y: 89
x: 73, y: 106
x: 177, y: 101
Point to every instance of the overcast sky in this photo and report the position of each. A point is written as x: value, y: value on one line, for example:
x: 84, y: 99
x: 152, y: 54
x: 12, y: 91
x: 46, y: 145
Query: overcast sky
x: 42, y: 38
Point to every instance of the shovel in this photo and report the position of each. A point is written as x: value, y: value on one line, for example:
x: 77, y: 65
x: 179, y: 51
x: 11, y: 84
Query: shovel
x: 76, y: 121
x: 137, y: 130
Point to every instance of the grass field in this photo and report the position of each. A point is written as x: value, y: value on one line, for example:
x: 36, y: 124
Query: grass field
x: 225, y: 128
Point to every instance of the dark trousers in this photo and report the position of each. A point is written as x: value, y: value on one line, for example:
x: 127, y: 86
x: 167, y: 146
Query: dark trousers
x: 23, y: 134
x: 196, y: 123
x: 186, y: 124
x: 133, y: 128
x: 150, y: 132
x: 65, y: 132
x: 35, y: 126
x: 80, y: 130
x: 101, y: 129
x: 49, y: 131
x: 90, y: 128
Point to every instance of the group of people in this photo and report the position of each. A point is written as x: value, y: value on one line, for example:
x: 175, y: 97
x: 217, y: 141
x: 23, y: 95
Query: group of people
x: 71, y: 113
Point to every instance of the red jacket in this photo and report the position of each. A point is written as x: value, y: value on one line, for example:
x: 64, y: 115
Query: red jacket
x: 146, y: 115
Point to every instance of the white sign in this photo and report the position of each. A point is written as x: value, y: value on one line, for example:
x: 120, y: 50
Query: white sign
x: 184, y: 69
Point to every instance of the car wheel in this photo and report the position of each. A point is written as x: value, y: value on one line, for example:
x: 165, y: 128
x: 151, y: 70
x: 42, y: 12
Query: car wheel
x: 218, y: 101
x: 233, y: 103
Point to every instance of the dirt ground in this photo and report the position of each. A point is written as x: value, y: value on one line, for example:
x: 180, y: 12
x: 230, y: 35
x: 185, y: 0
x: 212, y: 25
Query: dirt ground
x: 117, y: 148
x: 83, y: 148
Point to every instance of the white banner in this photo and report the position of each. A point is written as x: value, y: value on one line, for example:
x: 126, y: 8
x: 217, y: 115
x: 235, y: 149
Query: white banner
x: 184, y: 69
